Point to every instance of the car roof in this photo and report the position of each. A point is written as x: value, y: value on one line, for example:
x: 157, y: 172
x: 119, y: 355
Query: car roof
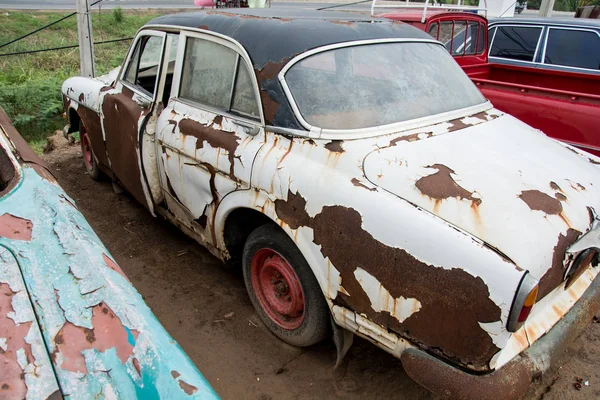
x: 416, y: 16
x: 575, y: 22
x: 275, y: 35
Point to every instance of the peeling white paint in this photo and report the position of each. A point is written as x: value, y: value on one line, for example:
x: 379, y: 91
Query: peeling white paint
x: 381, y: 300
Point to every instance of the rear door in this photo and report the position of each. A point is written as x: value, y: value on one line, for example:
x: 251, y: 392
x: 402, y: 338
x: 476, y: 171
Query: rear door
x: 210, y: 130
x: 125, y: 113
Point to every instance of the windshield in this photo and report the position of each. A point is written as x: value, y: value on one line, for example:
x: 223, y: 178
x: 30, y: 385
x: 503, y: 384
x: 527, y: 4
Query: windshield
x: 378, y: 84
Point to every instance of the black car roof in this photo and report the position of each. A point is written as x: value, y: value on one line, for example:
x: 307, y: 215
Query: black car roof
x: 574, y: 22
x: 272, y: 35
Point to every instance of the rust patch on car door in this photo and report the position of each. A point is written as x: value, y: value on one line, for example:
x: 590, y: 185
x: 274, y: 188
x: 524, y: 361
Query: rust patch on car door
x: 216, y: 138
x: 453, y: 302
x: 121, y: 129
x: 91, y: 121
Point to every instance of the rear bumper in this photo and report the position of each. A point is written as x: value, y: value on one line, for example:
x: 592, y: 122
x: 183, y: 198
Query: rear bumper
x: 513, y: 379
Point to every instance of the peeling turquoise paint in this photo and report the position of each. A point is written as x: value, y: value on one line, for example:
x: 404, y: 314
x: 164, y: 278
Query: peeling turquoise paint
x: 71, y: 289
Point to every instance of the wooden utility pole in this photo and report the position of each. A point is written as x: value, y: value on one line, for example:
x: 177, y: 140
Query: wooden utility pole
x: 86, y: 40
x: 546, y: 8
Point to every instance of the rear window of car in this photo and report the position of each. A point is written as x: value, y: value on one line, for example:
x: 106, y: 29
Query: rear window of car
x: 515, y: 42
x: 573, y: 48
x: 372, y: 85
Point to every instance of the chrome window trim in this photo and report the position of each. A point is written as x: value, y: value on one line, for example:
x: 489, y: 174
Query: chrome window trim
x: 564, y: 28
x: 186, y: 32
x: 215, y: 110
x: 324, y: 133
x: 134, y: 88
x: 537, y: 47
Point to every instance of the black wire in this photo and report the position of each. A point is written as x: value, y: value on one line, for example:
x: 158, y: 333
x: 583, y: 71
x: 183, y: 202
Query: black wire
x: 61, y: 48
x: 45, y: 26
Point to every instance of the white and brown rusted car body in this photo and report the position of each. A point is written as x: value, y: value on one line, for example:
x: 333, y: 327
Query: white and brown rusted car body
x: 419, y: 232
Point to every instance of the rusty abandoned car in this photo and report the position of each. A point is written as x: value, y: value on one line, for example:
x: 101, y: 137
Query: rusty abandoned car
x: 362, y: 182
x: 71, y: 323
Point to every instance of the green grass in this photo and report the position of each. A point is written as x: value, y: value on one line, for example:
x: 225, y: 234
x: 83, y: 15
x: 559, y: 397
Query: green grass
x: 30, y: 84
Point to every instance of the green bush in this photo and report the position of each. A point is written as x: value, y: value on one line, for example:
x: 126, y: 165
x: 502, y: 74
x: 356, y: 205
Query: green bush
x: 118, y: 15
x: 30, y: 84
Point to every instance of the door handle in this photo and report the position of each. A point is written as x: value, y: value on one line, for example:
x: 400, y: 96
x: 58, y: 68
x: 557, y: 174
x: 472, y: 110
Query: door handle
x: 248, y: 128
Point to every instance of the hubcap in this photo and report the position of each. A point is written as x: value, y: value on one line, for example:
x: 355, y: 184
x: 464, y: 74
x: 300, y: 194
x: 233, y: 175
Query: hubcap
x: 277, y: 289
x: 86, y: 148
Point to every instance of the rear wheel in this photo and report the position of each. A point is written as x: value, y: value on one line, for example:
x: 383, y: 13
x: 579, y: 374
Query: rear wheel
x: 89, y: 159
x: 283, y: 289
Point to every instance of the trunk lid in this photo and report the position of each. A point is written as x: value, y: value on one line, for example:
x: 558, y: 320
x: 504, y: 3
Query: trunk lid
x: 503, y: 182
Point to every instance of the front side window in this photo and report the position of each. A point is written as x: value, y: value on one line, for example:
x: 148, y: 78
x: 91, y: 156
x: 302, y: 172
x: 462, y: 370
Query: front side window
x: 379, y: 84
x: 143, y: 67
x: 573, y: 48
x: 216, y: 76
x: 516, y: 42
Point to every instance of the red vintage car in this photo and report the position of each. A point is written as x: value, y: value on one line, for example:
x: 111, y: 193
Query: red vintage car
x: 564, y: 105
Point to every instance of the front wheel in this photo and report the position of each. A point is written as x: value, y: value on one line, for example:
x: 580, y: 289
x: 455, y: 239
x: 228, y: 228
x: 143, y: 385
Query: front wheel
x: 89, y: 159
x: 283, y: 289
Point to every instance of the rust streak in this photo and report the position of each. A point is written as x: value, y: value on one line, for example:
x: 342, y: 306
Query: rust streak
x: 216, y: 138
x: 335, y: 146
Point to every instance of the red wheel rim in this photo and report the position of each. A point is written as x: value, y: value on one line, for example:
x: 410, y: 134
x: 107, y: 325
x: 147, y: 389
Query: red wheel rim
x: 277, y: 289
x: 86, y: 149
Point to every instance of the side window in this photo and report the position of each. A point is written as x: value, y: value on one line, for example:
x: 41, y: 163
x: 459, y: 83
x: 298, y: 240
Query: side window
x: 573, y: 48
x: 433, y: 30
x: 515, y: 42
x: 215, y: 75
x: 142, y: 70
x: 445, y: 35
x: 472, y: 37
x: 481, y: 43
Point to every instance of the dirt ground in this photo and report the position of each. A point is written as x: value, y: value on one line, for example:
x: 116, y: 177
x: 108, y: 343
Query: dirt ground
x: 193, y: 295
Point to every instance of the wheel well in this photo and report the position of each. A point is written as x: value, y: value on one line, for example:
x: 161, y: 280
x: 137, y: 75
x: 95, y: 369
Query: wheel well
x: 239, y: 225
x: 73, y: 120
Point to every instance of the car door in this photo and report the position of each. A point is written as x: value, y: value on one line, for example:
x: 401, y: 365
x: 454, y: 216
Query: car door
x: 210, y: 130
x: 127, y: 110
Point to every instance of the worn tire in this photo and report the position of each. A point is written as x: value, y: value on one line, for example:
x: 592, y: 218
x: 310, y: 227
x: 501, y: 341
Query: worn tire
x: 89, y: 158
x: 314, y: 325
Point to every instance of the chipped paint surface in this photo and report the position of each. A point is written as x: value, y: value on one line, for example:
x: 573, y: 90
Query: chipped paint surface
x: 381, y: 299
x: 101, y: 337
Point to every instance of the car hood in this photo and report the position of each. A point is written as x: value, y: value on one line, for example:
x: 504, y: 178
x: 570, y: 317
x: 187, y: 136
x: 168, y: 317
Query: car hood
x: 524, y: 194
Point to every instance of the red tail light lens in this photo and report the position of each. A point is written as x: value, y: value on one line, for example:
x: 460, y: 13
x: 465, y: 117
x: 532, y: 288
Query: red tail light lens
x: 523, y: 302
x: 528, y: 305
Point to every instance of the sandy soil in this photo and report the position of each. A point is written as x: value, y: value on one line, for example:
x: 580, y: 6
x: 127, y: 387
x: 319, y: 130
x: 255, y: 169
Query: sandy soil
x: 193, y: 294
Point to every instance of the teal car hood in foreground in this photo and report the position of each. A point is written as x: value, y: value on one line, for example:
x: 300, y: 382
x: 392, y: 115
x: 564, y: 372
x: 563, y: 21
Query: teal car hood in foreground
x: 71, y: 323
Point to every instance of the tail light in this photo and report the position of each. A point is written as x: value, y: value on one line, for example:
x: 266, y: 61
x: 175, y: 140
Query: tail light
x: 523, y: 302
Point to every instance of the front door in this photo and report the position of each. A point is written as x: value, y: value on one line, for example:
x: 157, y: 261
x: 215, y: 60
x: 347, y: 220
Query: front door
x: 126, y: 112
x: 210, y: 131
